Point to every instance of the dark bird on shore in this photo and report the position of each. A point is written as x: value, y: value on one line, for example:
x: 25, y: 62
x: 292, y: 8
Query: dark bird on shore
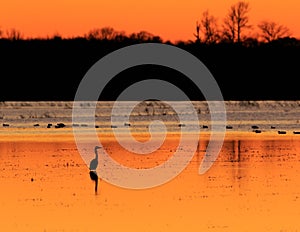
x: 296, y: 132
x: 255, y: 127
x: 5, y: 125
x: 49, y: 125
x: 60, y: 125
x: 282, y: 132
x: 228, y: 127
x: 93, y: 167
x: 94, y: 162
x: 257, y: 131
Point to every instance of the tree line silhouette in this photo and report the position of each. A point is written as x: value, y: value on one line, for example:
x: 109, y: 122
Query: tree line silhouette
x: 261, y: 66
x: 234, y: 25
x: 232, y: 30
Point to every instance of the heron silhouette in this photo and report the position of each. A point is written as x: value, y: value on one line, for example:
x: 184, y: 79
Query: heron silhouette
x: 93, y: 167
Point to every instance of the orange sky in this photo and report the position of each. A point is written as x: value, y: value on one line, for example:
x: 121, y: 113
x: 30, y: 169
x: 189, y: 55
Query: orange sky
x: 172, y: 20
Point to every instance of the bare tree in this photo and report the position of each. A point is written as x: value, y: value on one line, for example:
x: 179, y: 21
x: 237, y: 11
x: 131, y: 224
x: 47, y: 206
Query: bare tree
x: 142, y: 35
x: 120, y: 36
x: 197, y: 34
x: 145, y: 36
x: 14, y: 34
x: 271, y: 31
x: 209, y: 28
x: 229, y: 27
x: 242, y: 18
x: 105, y: 33
x: 93, y: 34
x: 236, y: 21
x: 108, y: 33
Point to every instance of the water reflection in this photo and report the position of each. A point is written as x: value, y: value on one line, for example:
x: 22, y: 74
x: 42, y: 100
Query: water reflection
x: 260, y: 192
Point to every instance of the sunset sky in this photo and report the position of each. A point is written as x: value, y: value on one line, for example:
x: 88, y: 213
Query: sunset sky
x: 172, y: 20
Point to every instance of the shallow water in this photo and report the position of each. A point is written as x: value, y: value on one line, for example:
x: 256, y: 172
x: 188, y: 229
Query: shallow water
x: 253, y: 186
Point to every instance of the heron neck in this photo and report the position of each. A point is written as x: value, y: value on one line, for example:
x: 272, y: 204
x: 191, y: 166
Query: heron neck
x: 96, y: 152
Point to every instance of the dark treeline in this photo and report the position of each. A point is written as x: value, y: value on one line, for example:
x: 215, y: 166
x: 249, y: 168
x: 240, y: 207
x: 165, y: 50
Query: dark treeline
x: 53, y: 69
x: 246, y: 68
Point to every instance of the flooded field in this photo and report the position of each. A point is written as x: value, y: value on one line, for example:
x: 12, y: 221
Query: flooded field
x: 254, y: 185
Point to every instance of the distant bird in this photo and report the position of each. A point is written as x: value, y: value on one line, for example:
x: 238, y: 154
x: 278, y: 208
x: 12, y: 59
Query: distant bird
x: 93, y: 167
x: 127, y: 124
x: 5, y: 125
x: 255, y: 127
x: 296, y: 132
x: 273, y: 127
x: 228, y: 127
x: 49, y: 125
x: 257, y: 131
x: 36, y: 125
x: 60, y: 125
x: 204, y: 127
x: 282, y: 132
x: 181, y: 125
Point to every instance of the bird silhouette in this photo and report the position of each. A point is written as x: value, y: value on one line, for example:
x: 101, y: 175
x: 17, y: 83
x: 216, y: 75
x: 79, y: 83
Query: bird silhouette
x: 94, y: 162
x: 93, y: 167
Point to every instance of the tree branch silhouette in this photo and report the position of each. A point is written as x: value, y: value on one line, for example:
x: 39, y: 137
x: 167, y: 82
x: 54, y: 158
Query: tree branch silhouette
x: 271, y: 31
x: 236, y: 21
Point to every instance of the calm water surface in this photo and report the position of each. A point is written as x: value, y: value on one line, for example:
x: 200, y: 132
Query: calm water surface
x: 253, y: 186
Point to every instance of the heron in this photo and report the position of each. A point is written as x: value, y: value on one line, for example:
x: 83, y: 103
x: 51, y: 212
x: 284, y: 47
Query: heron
x: 93, y: 167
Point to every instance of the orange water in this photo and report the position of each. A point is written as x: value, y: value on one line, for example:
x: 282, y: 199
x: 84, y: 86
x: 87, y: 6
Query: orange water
x: 253, y: 186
